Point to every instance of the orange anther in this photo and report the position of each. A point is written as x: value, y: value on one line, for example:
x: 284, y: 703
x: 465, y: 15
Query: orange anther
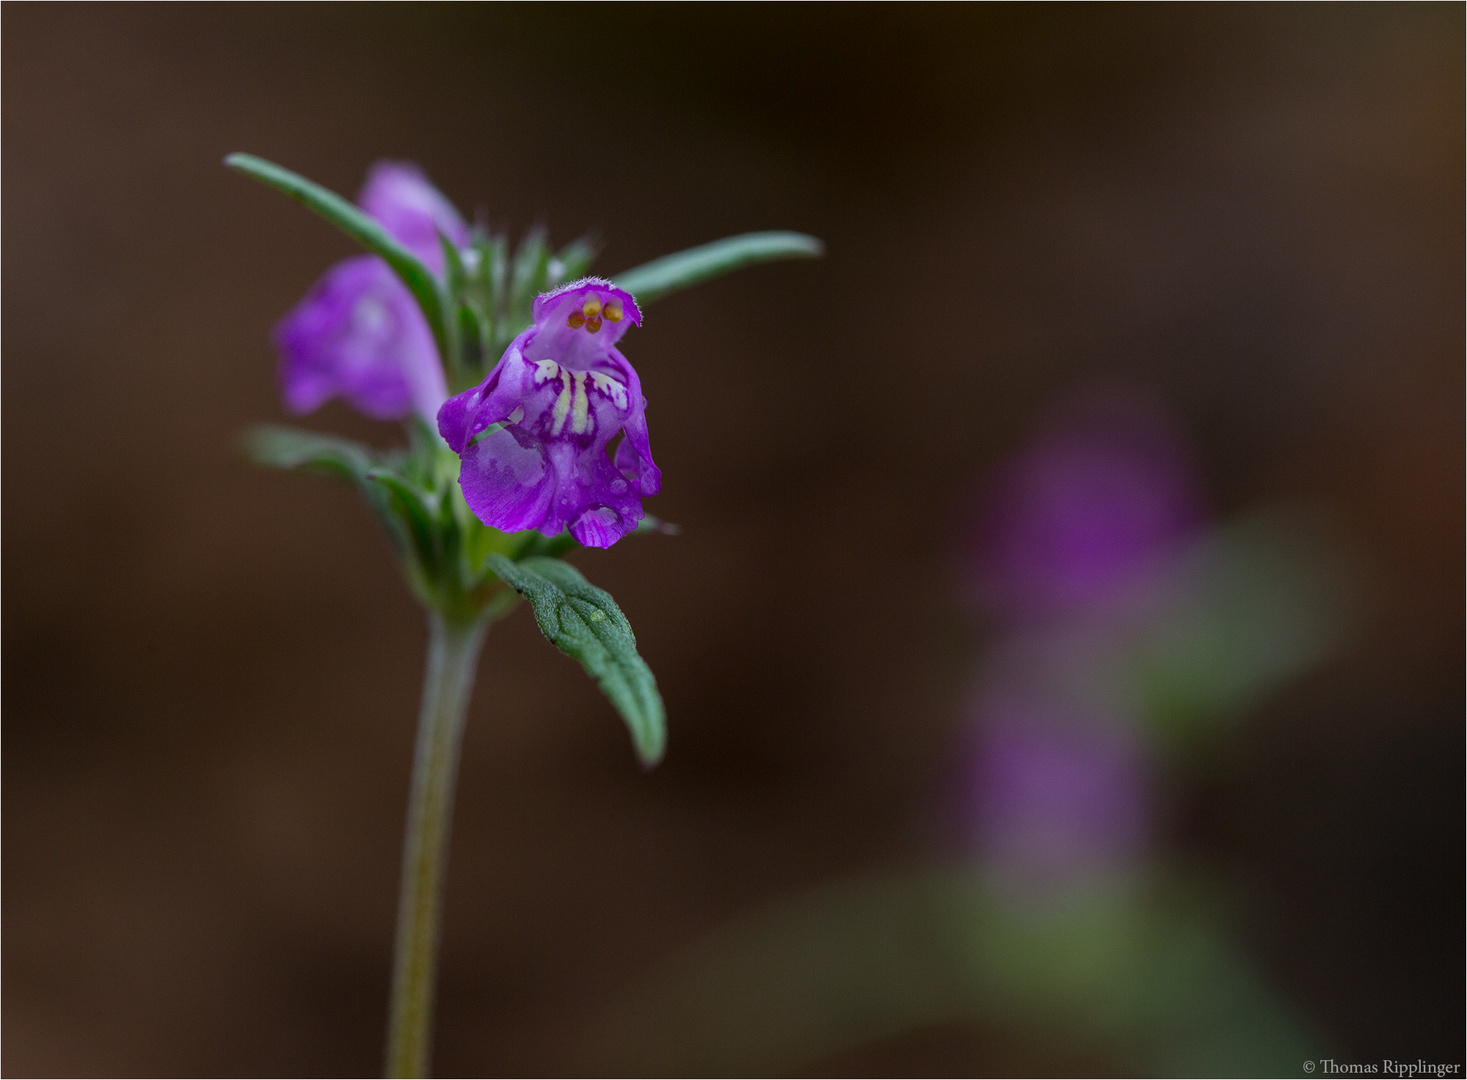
x: 593, y: 324
x: 576, y: 320
x: 613, y: 311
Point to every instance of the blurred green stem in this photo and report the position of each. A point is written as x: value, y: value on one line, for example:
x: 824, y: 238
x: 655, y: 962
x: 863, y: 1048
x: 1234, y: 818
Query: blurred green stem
x: 453, y: 654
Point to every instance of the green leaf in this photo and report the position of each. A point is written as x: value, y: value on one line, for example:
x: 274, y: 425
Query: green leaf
x: 473, y: 332
x: 406, y: 501
x: 291, y: 448
x: 527, y: 279
x: 454, y: 277
x: 425, y: 287
x: 656, y: 279
x: 497, y: 256
x: 584, y: 622
x: 397, y: 503
x: 571, y: 261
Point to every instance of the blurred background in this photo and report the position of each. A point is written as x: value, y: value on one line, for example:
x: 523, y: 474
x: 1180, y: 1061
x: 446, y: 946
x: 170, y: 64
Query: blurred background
x: 1071, y: 560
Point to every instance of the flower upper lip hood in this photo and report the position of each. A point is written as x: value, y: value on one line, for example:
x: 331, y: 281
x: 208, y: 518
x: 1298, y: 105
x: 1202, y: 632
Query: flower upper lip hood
x: 558, y: 396
x: 578, y: 324
x: 557, y: 309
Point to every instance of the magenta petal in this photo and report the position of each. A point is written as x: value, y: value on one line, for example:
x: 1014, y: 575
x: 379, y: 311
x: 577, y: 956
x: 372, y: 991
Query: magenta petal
x: 599, y: 527
x: 358, y: 334
x: 564, y: 394
x: 507, y: 480
x: 634, y: 456
x: 454, y: 417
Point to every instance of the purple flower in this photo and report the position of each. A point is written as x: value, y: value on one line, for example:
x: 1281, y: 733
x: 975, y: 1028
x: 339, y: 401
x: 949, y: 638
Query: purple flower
x: 1056, y: 798
x: 400, y: 196
x: 359, y: 334
x: 1089, y: 512
x: 533, y: 436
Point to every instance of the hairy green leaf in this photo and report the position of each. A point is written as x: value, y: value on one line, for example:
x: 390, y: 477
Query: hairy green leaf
x: 584, y: 622
x: 670, y: 273
x: 527, y: 278
x: 425, y: 287
x: 292, y: 448
x: 454, y: 276
x: 407, y: 503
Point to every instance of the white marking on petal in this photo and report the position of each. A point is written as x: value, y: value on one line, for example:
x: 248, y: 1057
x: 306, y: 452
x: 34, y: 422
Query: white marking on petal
x: 581, y: 421
x: 545, y: 370
x: 613, y: 389
x: 562, y: 403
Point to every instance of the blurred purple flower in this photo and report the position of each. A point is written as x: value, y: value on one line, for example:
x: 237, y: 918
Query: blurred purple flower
x: 547, y: 412
x: 1052, y: 799
x: 1090, y: 510
x: 401, y: 197
x: 359, y: 334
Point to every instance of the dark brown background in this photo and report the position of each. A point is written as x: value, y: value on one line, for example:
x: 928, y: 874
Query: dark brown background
x: 211, y: 672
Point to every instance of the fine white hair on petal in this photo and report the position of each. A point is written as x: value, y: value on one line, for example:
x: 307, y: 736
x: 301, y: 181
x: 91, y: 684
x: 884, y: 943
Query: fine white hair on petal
x: 545, y: 299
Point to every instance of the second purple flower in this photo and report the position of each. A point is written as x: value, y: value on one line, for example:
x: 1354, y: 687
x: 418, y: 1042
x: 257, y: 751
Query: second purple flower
x: 534, y: 436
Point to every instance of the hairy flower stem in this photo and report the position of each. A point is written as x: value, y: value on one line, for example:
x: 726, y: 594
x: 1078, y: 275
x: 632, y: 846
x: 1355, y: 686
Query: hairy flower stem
x: 453, y: 653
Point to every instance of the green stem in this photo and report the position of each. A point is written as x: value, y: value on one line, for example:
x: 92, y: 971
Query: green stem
x: 453, y: 653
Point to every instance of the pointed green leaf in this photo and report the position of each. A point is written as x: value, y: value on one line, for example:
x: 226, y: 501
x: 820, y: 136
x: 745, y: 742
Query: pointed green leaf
x: 292, y: 448
x: 473, y: 332
x: 656, y: 279
x: 425, y: 287
x: 584, y: 622
x: 406, y: 501
x: 454, y: 276
x: 527, y: 279
x: 497, y: 254
x: 570, y: 262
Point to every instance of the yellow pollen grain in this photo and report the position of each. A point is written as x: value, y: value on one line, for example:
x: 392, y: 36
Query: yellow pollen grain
x: 613, y: 312
x: 580, y: 407
x: 591, y: 307
x: 562, y: 405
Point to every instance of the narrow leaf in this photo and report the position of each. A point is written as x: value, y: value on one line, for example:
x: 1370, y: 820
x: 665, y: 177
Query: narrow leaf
x: 425, y: 287
x: 659, y: 277
x: 454, y: 276
x: 473, y: 333
x: 571, y: 261
x: 528, y: 276
x: 407, y: 503
x: 498, y: 257
x: 584, y: 622
x: 291, y: 448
